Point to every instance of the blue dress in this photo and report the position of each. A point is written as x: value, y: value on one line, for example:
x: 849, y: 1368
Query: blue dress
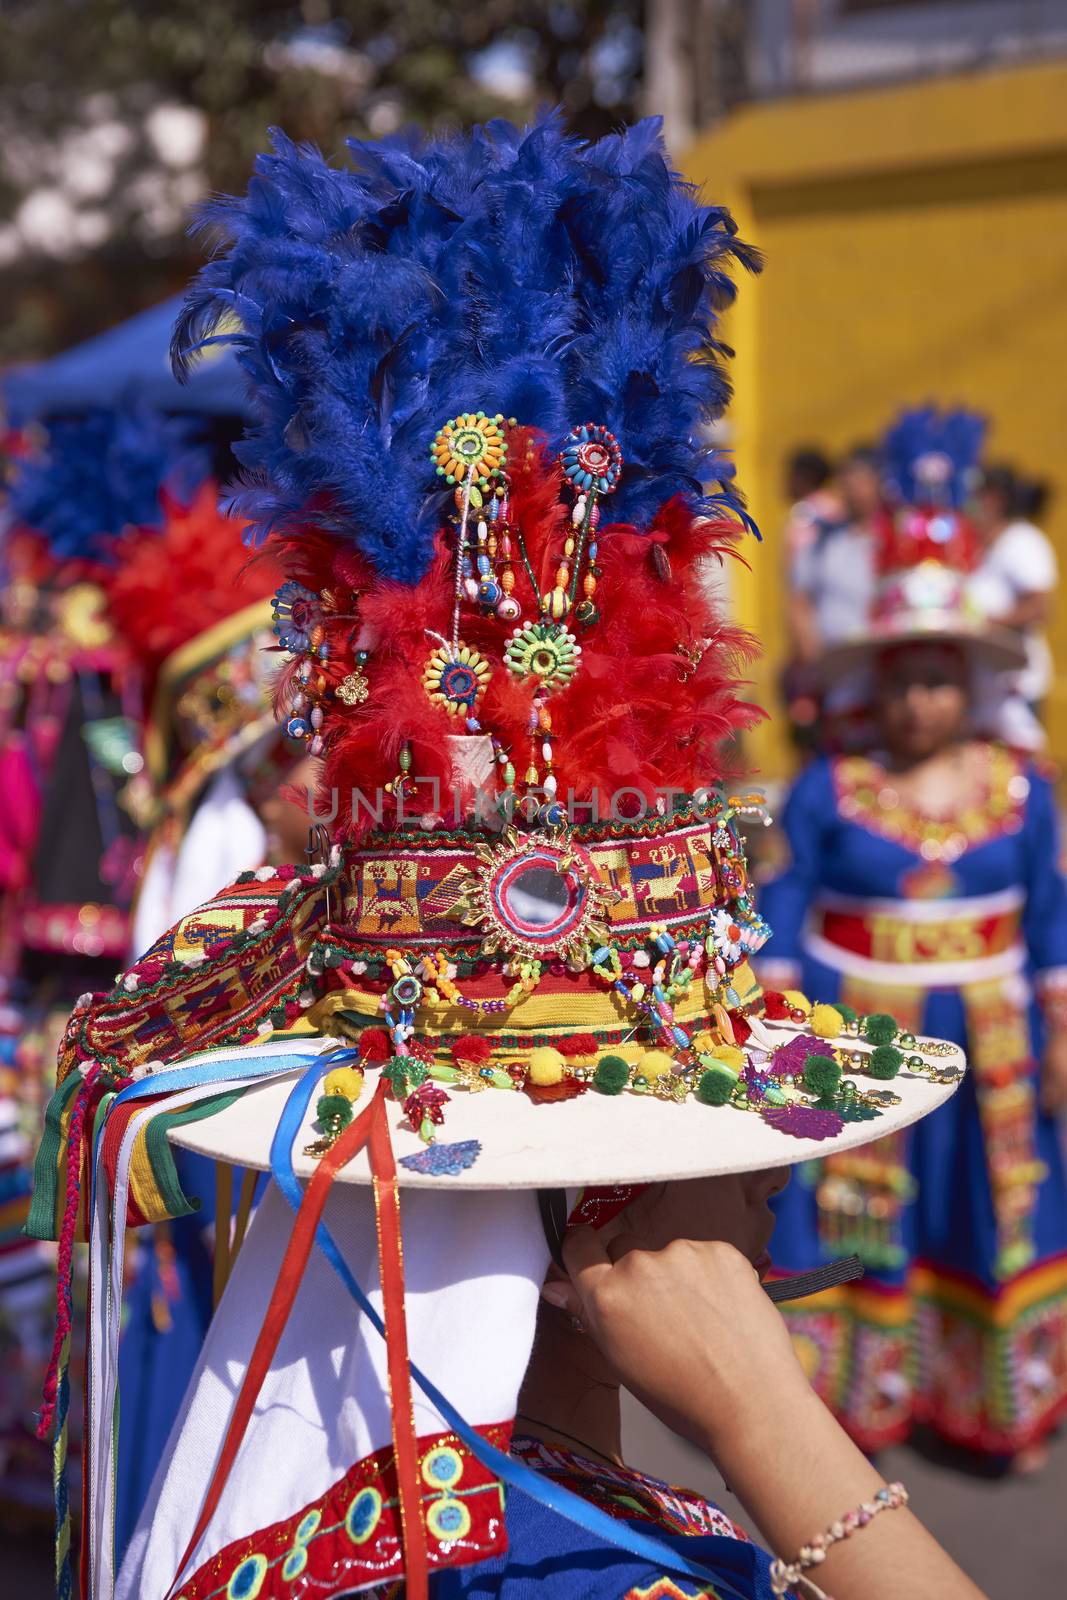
x: 959, y: 929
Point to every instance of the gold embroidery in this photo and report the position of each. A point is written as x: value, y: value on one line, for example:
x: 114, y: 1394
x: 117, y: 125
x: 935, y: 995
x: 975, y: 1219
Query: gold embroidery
x: 866, y: 796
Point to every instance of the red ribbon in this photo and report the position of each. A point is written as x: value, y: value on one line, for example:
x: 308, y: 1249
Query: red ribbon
x: 369, y: 1127
x: 283, y: 1296
x: 405, y: 1441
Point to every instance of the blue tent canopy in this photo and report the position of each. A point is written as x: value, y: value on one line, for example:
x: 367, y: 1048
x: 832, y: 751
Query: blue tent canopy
x: 130, y: 361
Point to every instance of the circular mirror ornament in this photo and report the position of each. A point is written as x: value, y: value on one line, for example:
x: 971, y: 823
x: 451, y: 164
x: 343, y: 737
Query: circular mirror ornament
x: 535, y: 895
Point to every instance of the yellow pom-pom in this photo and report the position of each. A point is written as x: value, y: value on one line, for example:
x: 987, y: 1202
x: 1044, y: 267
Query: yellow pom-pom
x: 798, y: 1001
x: 826, y: 1021
x: 705, y: 1043
x: 655, y: 1064
x: 729, y: 1054
x: 344, y: 1080
x: 545, y: 1066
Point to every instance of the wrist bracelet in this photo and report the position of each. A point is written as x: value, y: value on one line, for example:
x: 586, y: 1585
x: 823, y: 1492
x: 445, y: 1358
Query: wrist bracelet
x: 785, y: 1574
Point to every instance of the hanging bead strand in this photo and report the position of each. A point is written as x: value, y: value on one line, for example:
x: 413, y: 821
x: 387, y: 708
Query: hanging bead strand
x: 461, y: 549
x: 592, y: 461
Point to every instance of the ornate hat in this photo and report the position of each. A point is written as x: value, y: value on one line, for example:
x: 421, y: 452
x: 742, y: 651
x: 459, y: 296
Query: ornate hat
x: 927, y: 548
x: 194, y: 609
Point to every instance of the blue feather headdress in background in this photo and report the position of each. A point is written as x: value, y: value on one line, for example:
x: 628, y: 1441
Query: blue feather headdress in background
x: 102, y: 472
x: 512, y: 271
x: 930, y: 457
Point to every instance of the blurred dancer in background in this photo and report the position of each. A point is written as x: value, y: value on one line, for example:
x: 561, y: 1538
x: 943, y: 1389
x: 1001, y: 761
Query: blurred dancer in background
x: 816, y: 510
x: 195, y: 610
x: 923, y: 883
x: 831, y: 585
x: 70, y: 706
x: 1014, y: 584
x: 832, y: 573
x: 815, y: 505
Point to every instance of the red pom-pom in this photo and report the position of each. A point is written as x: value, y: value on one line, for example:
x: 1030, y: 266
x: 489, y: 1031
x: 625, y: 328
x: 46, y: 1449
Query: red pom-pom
x: 471, y: 1047
x: 776, y: 1007
x: 740, y: 1024
x: 375, y: 1045
x: 577, y: 1044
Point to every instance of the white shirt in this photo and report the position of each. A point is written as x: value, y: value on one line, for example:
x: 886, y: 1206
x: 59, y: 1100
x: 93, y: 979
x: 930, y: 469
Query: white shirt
x: 1020, y: 560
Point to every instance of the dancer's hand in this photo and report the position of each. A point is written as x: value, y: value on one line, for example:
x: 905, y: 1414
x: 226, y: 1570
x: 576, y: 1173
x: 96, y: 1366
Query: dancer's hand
x: 688, y: 1328
x: 1054, y: 1073
x: 692, y: 1334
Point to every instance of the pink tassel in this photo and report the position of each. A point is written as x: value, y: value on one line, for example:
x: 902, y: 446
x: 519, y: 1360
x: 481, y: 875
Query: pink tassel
x: 75, y: 1138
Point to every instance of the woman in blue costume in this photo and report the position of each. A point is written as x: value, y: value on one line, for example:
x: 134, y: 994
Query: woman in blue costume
x: 924, y: 883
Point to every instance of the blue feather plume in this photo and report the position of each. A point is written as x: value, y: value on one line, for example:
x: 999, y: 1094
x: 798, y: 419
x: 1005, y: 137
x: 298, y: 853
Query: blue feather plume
x: 930, y: 457
x: 101, y: 472
x: 502, y: 270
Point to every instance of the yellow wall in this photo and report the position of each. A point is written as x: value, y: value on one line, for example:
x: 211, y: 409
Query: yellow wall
x: 916, y: 249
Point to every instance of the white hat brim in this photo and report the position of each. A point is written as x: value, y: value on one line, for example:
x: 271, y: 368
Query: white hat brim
x: 995, y: 648
x: 592, y: 1139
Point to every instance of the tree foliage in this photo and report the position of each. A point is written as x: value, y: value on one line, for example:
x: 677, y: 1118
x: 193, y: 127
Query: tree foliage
x: 94, y: 201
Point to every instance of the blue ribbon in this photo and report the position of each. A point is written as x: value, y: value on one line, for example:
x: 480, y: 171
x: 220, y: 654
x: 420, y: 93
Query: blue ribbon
x: 197, y: 1073
x: 512, y: 1472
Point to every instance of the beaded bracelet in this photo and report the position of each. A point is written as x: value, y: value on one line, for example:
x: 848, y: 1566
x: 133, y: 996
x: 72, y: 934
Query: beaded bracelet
x: 785, y: 1574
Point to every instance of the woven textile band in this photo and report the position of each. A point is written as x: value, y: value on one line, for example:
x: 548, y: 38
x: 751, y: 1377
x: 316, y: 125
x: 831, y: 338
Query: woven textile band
x: 672, y: 876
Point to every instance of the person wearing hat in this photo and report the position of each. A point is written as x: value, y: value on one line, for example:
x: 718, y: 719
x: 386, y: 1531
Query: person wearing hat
x: 507, y: 1018
x: 924, y: 882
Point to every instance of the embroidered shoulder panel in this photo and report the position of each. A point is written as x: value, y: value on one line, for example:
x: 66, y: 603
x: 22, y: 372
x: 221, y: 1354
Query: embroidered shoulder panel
x: 350, y: 1539
x: 622, y: 1492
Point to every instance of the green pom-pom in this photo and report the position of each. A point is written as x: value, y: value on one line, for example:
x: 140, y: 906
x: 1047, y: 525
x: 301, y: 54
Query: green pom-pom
x: 334, y: 1111
x: 885, y: 1062
x: 612, y: 1075
x: 822, y: 1075
x: 848, y: 1013
x: 881, y: 1028
x: 715, y: 1086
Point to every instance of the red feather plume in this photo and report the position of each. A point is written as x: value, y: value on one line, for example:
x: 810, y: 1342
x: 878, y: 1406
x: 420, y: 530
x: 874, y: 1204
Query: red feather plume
x: 653, y: 707
x: 170, y: 586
